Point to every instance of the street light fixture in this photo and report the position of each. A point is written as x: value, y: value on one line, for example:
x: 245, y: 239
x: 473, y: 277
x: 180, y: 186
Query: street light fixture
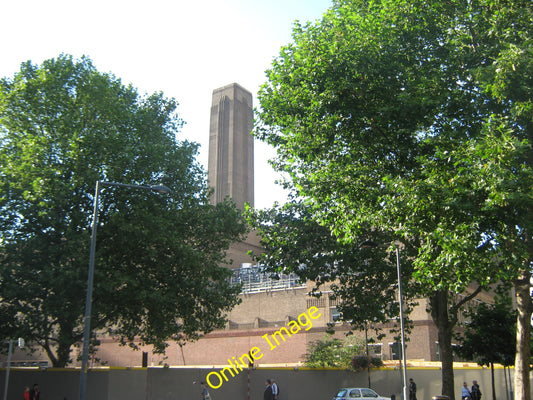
x: 88, y: 300
x: 368, y: 244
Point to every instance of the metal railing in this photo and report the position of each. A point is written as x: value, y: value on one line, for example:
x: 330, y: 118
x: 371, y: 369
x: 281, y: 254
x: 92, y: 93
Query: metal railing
x: 253, y: 279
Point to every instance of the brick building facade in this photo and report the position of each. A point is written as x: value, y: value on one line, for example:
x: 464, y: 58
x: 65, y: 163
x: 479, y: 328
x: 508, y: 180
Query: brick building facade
x: 265, y: 312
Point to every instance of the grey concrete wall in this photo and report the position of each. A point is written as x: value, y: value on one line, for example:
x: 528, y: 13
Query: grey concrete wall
x: 183, y: 383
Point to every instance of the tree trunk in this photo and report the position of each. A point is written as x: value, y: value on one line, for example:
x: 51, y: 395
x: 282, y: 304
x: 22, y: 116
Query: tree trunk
x: 523, y: 331
x: 63, y: 355
x: 50, y: 353
x: 439, y: 314
x: 58, y: 350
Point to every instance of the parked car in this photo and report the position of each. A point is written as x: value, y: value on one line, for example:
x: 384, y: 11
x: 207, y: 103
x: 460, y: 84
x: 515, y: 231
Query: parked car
x: 358, y: 393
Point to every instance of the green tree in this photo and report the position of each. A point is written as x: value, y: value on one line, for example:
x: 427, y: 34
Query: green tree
x: 489, y: 336
x: 63, y: 126
x: 414, y: 119
x: 333, y: 352
x: 363, y: 279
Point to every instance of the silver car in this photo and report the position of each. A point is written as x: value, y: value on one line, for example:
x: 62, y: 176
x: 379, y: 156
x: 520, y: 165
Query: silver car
x: 358, y: 393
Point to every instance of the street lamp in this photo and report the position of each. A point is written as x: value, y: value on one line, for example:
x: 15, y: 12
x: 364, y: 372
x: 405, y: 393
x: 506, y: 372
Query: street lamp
x: 20, y: 342
x: 404, y: 358
x: 367, y: 355
x: 88, y: 300
x: 370, y: 243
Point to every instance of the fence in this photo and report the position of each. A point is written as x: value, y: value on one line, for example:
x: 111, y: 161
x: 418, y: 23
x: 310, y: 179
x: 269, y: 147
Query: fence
x: 183, y: 383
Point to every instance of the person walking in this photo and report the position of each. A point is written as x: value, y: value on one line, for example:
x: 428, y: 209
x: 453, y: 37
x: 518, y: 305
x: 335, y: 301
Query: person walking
x: 268, y: 390
x: 205, y: 392
x: 412, y: 389
x: 275, y: 389
x: 475, y: 394
x: 26, y: 393
x: 35, y: 393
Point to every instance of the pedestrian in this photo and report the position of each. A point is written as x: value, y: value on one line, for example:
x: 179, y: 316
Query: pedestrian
x: 27, y: 393
x: 35, y: 393
x: 476, y: 392
x: 412, y: 389
x: 205, y: 392
x: 268, y: 390
x: 275, y: 389
x: 465, y: 393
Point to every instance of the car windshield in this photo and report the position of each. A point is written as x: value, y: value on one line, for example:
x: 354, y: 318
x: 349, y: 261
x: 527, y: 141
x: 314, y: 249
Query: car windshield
x: 341, y: 393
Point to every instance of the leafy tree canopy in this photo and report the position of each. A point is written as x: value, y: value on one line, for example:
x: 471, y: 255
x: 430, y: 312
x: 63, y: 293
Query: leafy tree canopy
x: 490, y: 335
x: 63, y: 126
x: 362, y: 277
x: 415, y: 119
x: 333, y: 352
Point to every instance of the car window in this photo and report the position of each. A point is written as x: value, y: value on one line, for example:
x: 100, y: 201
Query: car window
x: 369, y: 393
x: 355, y: 393
x: 341, y: 393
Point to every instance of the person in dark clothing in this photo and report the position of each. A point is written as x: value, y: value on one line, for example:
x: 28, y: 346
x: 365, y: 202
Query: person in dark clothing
x: 475, y: 392
x: 268, y: 390
x: 35, y: 394
x: 412, y: 389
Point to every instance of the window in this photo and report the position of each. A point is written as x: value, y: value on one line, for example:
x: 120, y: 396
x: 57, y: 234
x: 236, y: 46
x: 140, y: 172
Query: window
x: 355, y: 393
x: 369, y: 393
x: 316, y: 302
x: 395, y: 350
x: 335, y: 314
x: 454, y: 352
x: 375, y: 349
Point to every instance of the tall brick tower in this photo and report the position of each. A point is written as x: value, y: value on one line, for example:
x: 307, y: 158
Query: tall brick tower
x: 231, y: 146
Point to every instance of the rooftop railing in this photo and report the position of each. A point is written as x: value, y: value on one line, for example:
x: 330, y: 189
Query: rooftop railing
x: 253, y: 279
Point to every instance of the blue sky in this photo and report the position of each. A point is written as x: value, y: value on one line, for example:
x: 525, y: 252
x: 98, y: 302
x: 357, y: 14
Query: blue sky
x: 182, y: 48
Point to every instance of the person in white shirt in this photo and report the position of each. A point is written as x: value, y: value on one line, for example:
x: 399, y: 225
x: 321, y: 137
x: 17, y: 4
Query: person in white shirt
x: 465, y: 393
x: 275, y: 390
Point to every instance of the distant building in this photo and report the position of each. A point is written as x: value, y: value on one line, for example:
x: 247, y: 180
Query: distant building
x: 231, y: 145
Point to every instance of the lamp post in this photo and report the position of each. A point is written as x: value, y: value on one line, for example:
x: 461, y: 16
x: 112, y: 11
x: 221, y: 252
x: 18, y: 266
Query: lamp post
x: 404, y: 358
x: 9, y: 352
x: 367, y: 356
x: 88, y: 300
x: 368, y: 244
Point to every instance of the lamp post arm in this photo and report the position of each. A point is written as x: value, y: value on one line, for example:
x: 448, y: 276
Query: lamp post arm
x: 154, y: 188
